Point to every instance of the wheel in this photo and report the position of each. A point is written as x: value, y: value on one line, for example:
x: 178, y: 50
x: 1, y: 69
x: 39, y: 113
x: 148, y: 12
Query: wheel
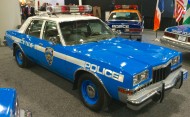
x: 21, y: 59
x: 92, y: 93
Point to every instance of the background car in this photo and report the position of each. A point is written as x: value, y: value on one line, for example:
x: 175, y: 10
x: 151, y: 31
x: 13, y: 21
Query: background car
x: 127, y: 21
x: 9, y: 106
x: 177, y: 37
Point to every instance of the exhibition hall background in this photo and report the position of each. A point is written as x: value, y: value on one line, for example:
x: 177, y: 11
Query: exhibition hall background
x: 146, y: 7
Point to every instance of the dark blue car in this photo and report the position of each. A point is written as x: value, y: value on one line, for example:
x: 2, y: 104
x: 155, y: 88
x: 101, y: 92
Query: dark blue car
x: 127, y: 21
x: 177, y: 37
x: 9, y: 106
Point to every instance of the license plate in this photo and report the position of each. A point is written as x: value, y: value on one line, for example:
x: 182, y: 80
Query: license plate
x: 181, y: 38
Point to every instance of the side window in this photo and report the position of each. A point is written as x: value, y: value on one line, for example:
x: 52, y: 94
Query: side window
x: 34, y: 28
x: 51, y: 32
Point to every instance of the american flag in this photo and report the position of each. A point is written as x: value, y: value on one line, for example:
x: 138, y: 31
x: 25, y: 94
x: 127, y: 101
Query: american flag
x: 179, y: 10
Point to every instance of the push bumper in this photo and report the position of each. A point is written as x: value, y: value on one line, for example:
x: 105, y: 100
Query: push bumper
x: 175, y: 44
x: 155, y: 91
x: 25, y: 113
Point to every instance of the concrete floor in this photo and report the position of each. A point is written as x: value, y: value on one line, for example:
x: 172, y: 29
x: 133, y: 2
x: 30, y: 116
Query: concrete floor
x: 48, y: 95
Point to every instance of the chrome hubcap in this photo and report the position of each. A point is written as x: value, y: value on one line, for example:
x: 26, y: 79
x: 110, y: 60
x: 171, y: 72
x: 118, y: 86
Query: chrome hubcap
x: 90, y: 91
x: 20, y: 56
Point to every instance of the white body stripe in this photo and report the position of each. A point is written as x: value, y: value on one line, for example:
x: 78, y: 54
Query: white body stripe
x: 69, y: 59
x: 56, y: 54
x: 108, y: 73
x: 39, y: 48
x: 17, y: 40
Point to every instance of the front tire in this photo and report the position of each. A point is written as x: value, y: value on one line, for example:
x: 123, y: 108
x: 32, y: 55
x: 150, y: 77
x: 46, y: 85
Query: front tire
x: 139, y: 39
x: 20, y: 58
x: 92, y: 93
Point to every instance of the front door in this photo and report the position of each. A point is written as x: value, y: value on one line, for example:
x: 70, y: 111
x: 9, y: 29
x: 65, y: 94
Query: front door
x: 51, y: 57
x: 31, y: 38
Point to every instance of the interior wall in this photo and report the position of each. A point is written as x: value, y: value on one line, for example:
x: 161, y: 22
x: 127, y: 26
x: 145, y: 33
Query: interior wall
x: 9, y: 16
x: 53, y: 2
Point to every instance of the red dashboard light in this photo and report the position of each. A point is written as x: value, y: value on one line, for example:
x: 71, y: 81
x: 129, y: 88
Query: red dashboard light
x: 81, y: 8
x: 69, y: 9
x: 65, y: 9
x: 118, y: 6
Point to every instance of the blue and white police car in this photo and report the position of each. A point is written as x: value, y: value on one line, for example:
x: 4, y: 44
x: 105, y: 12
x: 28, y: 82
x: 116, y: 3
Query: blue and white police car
x: 9, y: 106
x: 101, y: 65
x: 127, y: 21
x: 177, y: 37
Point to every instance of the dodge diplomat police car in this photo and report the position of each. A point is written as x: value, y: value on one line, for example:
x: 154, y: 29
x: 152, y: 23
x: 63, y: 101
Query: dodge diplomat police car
x: 101, y: 65
x: 127, y: 21
x: 177, y: 37
x: 9, y: 106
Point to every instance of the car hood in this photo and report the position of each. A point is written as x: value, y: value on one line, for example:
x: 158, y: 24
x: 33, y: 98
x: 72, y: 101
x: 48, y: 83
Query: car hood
x: 125, y: 54
x: 180, y: 30
x: 7, y: 101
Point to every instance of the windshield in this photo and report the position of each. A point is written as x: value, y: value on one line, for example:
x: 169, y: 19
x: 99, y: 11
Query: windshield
x: 124, y: 16
x: 78, y: 32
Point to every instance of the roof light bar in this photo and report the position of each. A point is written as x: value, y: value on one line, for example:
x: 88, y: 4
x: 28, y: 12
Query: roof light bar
x: 135, y: 7
x: 69, y: 9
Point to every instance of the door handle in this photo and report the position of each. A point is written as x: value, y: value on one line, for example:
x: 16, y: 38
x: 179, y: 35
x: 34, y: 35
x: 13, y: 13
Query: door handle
x: 40, y: 44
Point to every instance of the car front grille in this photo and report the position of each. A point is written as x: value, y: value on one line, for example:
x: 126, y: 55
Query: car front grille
x: 161, y: 73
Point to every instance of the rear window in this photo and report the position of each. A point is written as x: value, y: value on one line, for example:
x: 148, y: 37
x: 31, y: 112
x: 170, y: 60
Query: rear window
x: 124, y: 16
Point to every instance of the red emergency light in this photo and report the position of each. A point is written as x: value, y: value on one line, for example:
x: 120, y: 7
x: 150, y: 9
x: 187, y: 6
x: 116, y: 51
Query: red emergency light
x: 70, y: 9
x: 134, y: 7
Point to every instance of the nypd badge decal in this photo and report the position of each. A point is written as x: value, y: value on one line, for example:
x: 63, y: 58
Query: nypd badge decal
x: 49, y: 55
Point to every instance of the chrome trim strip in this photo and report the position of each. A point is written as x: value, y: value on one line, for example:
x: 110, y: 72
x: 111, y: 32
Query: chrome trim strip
x: 162, y: 66
x: 175, y: 44
x: 173, y: 39
x: 177, y: 34
x: 139, y: 87
x: 141, y: 72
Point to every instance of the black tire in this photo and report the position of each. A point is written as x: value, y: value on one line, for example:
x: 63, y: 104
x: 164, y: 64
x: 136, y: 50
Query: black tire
x: 21, y: 59
x: 139, y: 39
x: 102, y: 99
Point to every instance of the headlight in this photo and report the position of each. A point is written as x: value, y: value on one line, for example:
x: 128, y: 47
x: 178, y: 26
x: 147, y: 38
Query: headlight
x: 175, y: 60
x: 140, y: 77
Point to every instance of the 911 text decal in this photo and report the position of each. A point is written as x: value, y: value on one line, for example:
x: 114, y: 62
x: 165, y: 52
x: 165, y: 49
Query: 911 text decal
x: 29, y: 44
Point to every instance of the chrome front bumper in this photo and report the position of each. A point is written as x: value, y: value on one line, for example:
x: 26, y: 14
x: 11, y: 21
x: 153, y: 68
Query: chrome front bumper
x: 175, y: 44
x: 146, y: 95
